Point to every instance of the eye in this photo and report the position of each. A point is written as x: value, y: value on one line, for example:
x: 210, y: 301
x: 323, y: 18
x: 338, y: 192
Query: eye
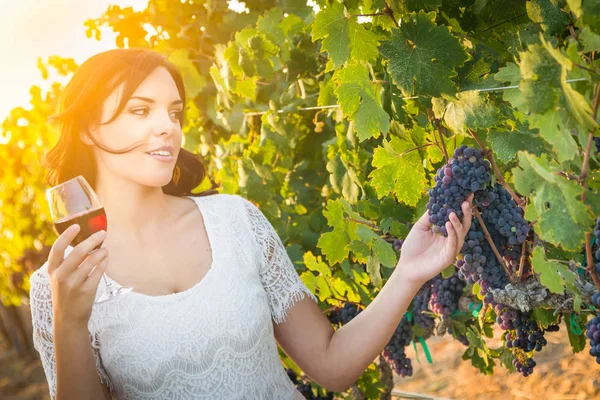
x: 178, y: 114
x: 137, y: 111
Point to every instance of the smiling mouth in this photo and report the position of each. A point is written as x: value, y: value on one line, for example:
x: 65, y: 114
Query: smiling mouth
x: 162, y: 153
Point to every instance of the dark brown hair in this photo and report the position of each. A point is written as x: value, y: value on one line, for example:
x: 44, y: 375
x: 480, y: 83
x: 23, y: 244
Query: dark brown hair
x: 81, y: 104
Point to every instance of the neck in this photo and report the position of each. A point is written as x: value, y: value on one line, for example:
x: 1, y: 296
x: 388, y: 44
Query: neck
x: 133, y: 211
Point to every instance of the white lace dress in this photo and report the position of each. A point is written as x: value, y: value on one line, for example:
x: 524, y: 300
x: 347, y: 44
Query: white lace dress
x: 212, y: 341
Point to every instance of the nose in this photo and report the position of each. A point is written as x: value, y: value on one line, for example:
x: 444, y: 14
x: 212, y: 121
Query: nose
x: 164, y: 124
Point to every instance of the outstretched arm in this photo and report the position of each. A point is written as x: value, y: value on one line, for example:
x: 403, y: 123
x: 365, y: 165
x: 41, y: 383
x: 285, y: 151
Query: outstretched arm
x: 335, y: 359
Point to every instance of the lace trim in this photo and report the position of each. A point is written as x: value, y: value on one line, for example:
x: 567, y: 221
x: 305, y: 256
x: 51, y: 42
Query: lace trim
x: 278, y: 275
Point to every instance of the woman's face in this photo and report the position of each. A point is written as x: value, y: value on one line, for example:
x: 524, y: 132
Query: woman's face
x: 150, y: 116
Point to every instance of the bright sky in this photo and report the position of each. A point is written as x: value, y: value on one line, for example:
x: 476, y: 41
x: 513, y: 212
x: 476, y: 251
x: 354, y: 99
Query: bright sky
x: 40, y: 28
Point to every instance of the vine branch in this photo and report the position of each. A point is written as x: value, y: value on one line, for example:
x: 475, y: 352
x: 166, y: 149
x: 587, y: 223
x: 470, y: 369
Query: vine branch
x: 390, y: 13
x: 369, y: 224
x: 590, y: 261
x: 586, y: 160
x: 488, y: 154
x: 492, y: 244
x: 367, y: 15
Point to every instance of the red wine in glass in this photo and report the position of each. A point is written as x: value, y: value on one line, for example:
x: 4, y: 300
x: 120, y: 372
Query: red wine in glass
x: 75, y: 202
x: 90, y: 222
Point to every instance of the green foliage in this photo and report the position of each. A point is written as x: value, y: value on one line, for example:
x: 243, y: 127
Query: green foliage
x: 337, y: 127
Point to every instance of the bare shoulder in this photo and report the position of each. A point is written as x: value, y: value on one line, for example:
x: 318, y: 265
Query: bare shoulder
x: 186, y: 207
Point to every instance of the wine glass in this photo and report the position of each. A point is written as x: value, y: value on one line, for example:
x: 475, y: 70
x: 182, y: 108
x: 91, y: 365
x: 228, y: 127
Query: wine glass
x: 75, y: 202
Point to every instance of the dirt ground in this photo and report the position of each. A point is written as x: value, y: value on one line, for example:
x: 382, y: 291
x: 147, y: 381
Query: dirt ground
x: 559, y: 375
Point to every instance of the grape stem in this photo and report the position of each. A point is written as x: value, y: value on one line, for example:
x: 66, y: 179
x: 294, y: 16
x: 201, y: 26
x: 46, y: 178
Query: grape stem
x: 491, y: 242
x: 590, y: 261
x: 436, y: 122
x: 586, y: 160
x: 367, y: 15
x: 369, y: 224
x: 416, y: 148
x: 488, y: 154
x: 522, y: 260
x: 439, y: 129
x: 588, y: 148
x: 390, y: 13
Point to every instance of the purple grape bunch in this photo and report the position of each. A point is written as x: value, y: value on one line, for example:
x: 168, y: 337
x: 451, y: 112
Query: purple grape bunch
x: 466, y: 172
x: 343, y: 315
x: 593, y: 325
x: 394, y: 351
x: 501, y: 212
x: 420, y: 303
x: 445, y: 294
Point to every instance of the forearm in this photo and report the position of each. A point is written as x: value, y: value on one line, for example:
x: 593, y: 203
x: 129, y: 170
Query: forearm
x: 355, y: 345
x: 76, y: 375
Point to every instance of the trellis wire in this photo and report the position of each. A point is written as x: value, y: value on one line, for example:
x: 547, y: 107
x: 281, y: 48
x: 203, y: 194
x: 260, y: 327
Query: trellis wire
x: 403, y: 98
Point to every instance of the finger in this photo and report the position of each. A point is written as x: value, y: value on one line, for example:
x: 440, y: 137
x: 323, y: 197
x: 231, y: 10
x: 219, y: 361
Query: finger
x: 423, y: 222
x: 458, y: 226
x: 57, y: 252
x: 459, y: 229
x: 467, y: 208
x: 92, y: 281
x: 81, y: 273
x: 452, y: 240
x: 81, y: 252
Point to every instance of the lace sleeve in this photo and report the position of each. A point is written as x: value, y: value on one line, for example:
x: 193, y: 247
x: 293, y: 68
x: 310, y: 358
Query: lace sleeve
x: 40, y: 300
x: 277, y: 273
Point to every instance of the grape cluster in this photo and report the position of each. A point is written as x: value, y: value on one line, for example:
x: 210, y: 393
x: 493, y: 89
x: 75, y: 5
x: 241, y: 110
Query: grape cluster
x: 445, y: 294
x: 394, y: 351
x: 501, y: 212
x: 597, y: 141
x: 398, y: 244
x: 343, y: 315
x: 523, y: 337
x: 305, y: 388
x: 593, y: 330
x: 420, y: 303
x: 479, y: 264
x: 460, y: 337
x: 466, y: 172
x: 593, y: 325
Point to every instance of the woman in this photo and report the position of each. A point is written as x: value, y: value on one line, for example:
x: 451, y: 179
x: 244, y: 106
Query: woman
x: 214, y: 289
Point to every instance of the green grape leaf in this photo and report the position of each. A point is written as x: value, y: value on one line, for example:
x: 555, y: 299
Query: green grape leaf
x: 540, y: 82
x: 396, y: 173
x: 591, y: 41
x: 574, y: 101
x: 506, y: 144
x: 343, y: 179
x: 343, y: 37
x: 548, y: 271
x: 422, y: 56
x: 316, y: 264
x: 511, y: 74
x: 194, y: 81
x: 374, y: 270
x: 563, y: 219
x: 553, y: 131
x: 470, y: 111
x: 448, y: 272
x: 549, y: 14
x: 545, y: 316
x: 588, y: 11
x: 385, y: 252
x: 578, y: 342
x: 359, y: 101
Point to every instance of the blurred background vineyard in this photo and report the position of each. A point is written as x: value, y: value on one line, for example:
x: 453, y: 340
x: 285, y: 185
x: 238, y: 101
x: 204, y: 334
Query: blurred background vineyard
x: 232, y: 121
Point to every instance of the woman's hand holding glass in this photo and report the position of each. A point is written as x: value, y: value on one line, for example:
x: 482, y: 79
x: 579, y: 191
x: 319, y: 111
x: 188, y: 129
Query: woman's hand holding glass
x: 74, y: 279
